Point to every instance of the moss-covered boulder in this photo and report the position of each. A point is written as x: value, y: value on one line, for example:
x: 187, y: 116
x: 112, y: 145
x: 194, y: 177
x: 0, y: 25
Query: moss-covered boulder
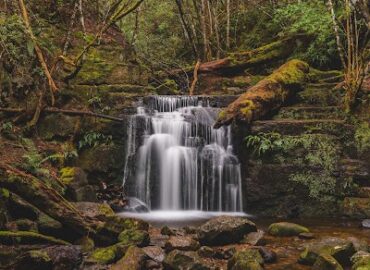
x: 109, y: 254
x: 225, y: 230
x: 361, y: 261
x: 22, y: 225
x: 268, y: 95
x: 356, y: 207
x: 94, y: 210
x: 326, y: 262
x: 87, y: 244
x: 286, y: 229
x: 340, y: 249
x: 24, y: 237
x: 250, y: 259
x: 134, y: 237
x: 179, y: 260
x: 48, y: 225
x: 134, y: 259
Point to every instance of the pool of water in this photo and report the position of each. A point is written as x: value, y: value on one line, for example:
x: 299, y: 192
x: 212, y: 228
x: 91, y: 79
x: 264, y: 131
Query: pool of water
x: 178, y: 219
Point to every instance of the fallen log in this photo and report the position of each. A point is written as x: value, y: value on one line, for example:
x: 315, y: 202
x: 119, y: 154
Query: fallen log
x: 64, y: 111
x: 268, y: 95
x: 240, y: 61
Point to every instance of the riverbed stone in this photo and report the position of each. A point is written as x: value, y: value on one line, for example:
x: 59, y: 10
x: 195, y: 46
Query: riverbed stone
x: 255, y: 238
x: 155, y: 253
x: 134, y: 259
x: 246, y: 259
x: 340, y: 249
x: 286, y: 229
x: 134, y: 237
x: 225, y: 230
x: 185, y: 243
x: 365, y: 223
x: 181, y: 260
x: 326, y: 262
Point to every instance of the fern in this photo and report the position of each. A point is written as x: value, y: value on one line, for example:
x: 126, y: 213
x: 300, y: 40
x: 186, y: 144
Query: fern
x: 93, y: 139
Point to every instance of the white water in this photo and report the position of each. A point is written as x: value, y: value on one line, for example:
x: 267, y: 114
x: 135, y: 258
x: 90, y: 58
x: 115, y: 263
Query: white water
x: 183, y: 163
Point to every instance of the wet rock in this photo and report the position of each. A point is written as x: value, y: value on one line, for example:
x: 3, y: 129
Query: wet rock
x: 48, y: 225
x: 340, y: 249
x: 94, y: 210
x: 134, y: 237
x: 184, y: 243
x: 33, y: 260
x: 86, y: 243
x: 361, y: 261
x: 158, y: 240
x: 109, y: 254
x: 206, y: 252
x: 189, y: 260
x: 134, y: 259
x: 22, y: 225
x: 64, y: 257
x: 307, y: 236
x: 286, y: 229
x: 167, y: 231
x: 155, y: 253
x: 326, y: 262
x: 225, y: 230
x: 135, y: 205
x: 246, y: 259
x: 255, y: 238
x: 268, y: 255
x: 190, y: 230
x: 366, y: 223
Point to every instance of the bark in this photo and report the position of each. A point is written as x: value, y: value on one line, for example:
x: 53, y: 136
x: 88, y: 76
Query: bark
x: 227, y: 24
x: 195, y: 80
x: 267, y: 96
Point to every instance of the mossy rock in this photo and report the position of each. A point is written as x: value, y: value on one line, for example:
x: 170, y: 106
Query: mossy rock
x: 99, y: 211
x: 109, y: 254
x: 246, y: 259
x: 340, y: 249
x: 48, y: 225
x: 134, y: 259
x: 73, y: 177
x: 178, y: 260
x: 23, y: 237
x: 326, y: 262
x: 87, y: 244
x: 134, y: 237
x: 361, y: 261
x: 356, y: 207
x: 25, y: 225
x: 286, y: 229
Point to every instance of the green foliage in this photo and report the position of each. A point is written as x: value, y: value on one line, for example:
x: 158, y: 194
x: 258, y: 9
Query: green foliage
x: 310, y: 17
x: 321, y: 153
x: 33, y: 160
x: 362, y: 137
x: 93, y: 139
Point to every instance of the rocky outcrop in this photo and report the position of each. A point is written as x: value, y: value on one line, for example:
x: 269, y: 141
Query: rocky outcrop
x: 225, y: 230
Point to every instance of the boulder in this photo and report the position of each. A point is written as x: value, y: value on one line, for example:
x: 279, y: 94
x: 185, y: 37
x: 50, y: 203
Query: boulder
x: 326, y: 262
x: 86, y: 243
x: 134, y: 237
x: 109, y: 254
x: 255, y: 238
x: 64, y: 257
x: 206, y: 252
x: 23, y: 237
x: 246, y: 259
x: 306, y: 236
x: 22, y: 225
x: 225, y: 230
x: 155, y: 253
x: 361, y: 261
x: 340, y: 249
x: 48, y: 225
x: 189, y: 260
x: 167, y: 231
x: 269, y: 256
x: 94, y: 210
x: 185, y: 243
x: 134, y: 259
x: 365, y: 223
x: 286, y: 229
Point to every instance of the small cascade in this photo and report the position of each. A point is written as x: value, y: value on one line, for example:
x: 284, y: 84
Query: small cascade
x: 178, y: 161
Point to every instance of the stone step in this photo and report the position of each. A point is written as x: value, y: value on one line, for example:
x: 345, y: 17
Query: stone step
x: 355, y: 207
x: 297, y: 127
x: 310, y: 112
x: 319, y: 97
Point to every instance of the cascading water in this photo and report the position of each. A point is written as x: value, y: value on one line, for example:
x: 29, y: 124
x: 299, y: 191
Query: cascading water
x: 182, y: 162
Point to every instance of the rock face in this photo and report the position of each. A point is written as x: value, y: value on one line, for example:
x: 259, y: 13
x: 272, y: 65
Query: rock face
x: 286, y: 229
x: 246, y: 259
x: 225, y: 230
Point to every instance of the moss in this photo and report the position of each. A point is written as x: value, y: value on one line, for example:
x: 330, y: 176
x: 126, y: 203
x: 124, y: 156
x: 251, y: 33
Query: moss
x: 168, y: 87
x: 246, y: 259
x: 134, y: 237
x: 23, y: 237
x: 286, y: 229
x: 106, y: 210
x: 109, y: 254
x: 86, y: 243
x: 67, y: 175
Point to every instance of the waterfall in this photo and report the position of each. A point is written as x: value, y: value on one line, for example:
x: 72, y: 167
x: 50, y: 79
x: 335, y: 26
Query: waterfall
x: 181, y: 163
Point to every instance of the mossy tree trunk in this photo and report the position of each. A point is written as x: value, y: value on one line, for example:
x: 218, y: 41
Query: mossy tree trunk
x: 268, y: 95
